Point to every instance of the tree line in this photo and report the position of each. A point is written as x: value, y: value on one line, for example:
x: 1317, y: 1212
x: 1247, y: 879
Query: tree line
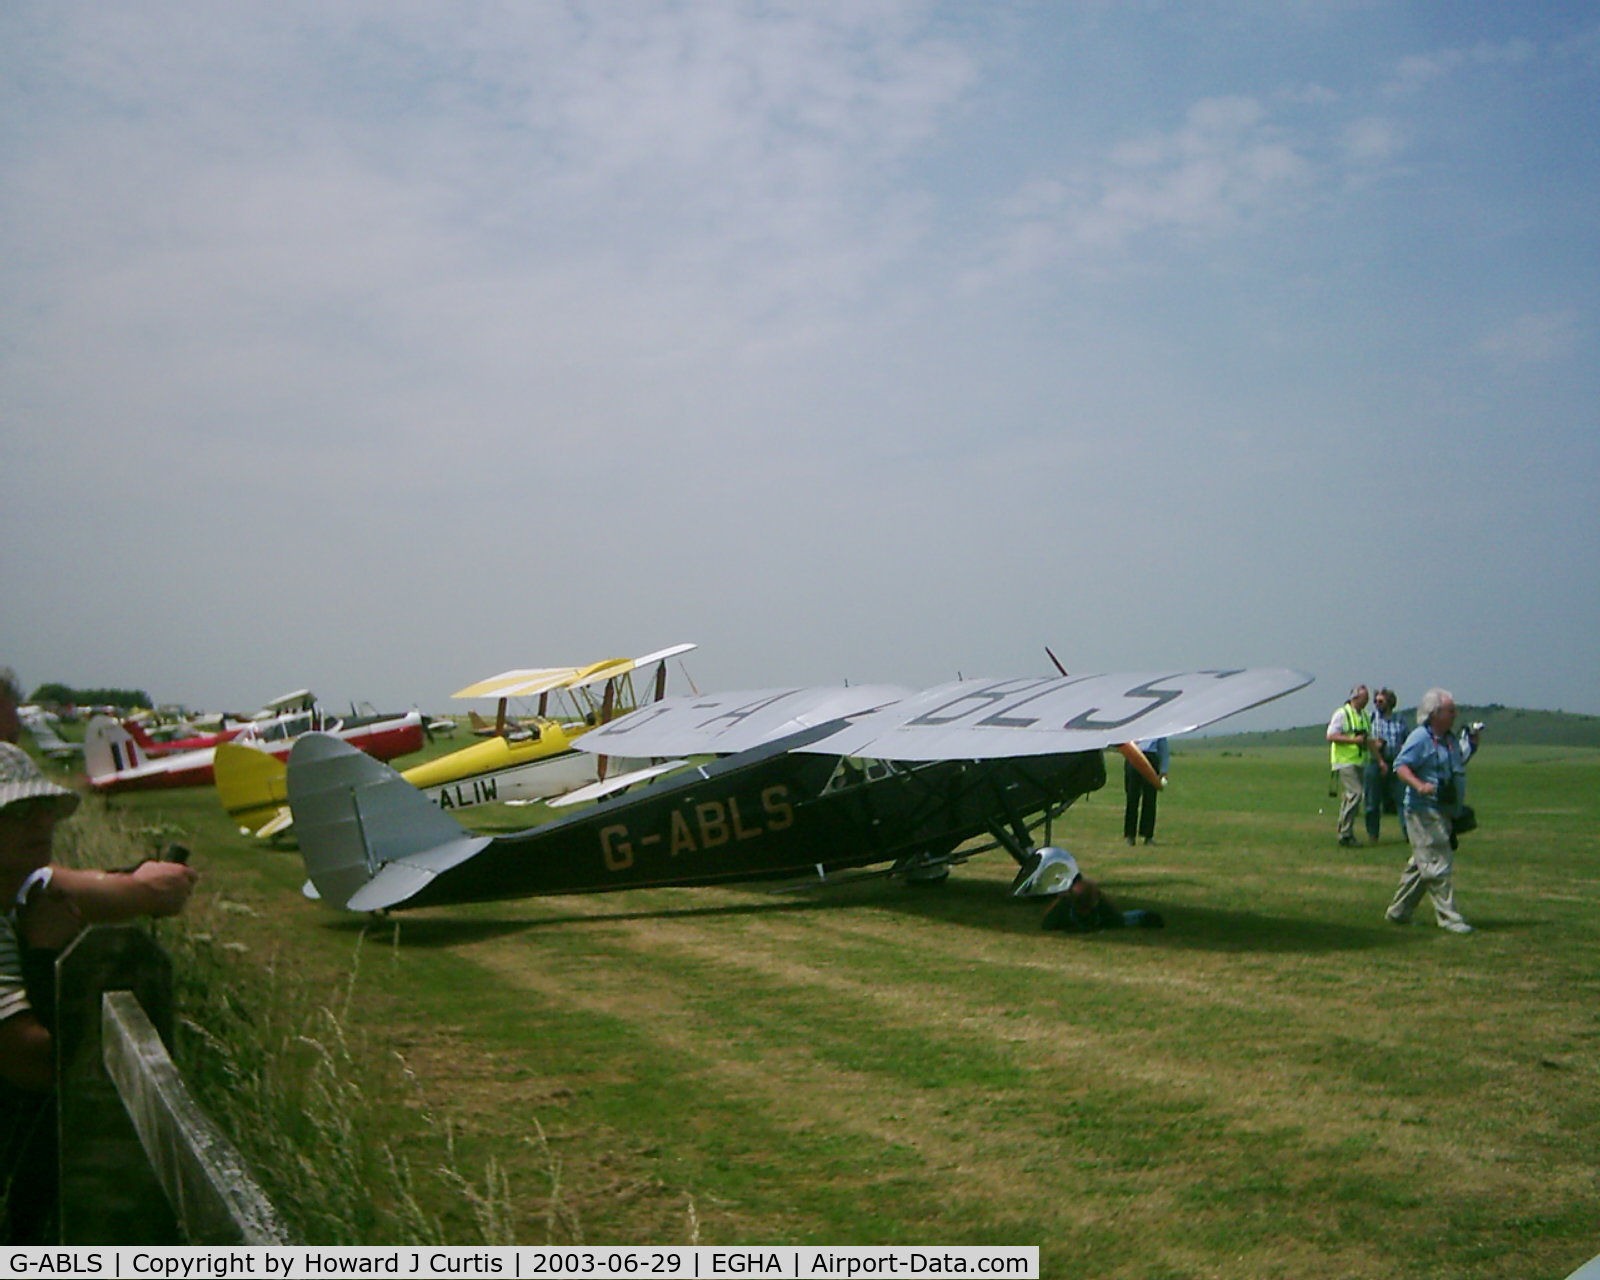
x: 61, y: 695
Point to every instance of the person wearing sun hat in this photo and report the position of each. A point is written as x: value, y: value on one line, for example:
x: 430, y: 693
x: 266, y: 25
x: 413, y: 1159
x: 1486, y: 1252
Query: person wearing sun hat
x: 21, y: 781
x: 30, y: 807
x: 42, y: 908
x: 46, y: 905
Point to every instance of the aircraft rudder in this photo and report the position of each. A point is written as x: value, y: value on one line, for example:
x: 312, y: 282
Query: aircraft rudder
x: 355, y: 816
x: 108, y: 749
x: 252, y: 785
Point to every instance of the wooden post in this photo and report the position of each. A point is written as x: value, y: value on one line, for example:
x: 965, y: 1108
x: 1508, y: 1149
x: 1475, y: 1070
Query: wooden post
x: 141, y: 1164
x: 109, y: 1194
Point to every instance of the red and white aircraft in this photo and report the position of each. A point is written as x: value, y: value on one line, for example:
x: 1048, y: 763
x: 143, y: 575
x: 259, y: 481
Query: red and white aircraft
x: 114, y: 760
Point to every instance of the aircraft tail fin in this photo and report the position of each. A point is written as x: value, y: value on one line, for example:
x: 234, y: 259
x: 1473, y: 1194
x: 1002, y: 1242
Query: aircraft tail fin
x: 253, y: 788
x: 369, y: 839
x: 137, y: 732
x: 108, y: 748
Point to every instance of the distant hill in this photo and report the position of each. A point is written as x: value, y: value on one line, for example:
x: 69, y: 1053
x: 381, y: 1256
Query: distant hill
x: 1513, y: 726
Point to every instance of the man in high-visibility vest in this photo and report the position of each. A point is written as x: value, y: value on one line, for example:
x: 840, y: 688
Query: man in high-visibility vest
x: 1350, y: 739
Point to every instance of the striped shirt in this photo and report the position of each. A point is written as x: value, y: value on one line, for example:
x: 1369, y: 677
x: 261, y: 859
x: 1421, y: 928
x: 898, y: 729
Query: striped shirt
x: 1392, y: 729
x: 13, y: 988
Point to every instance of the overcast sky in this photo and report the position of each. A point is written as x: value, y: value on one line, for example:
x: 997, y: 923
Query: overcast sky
x: 379, y: 347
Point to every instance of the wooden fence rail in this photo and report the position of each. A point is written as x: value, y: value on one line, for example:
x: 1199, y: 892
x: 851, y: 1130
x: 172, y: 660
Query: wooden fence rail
x: 140, y: 1162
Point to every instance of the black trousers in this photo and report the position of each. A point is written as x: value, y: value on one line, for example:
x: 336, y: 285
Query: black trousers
x: 1139, y: 818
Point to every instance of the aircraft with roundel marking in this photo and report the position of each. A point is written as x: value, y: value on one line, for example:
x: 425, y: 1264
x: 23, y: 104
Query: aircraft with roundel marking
x: 114, y: 760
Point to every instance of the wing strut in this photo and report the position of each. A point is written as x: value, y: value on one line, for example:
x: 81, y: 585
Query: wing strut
x: 1017, y: 841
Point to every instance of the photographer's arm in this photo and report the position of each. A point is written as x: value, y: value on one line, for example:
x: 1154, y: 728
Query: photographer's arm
x: 1409, y: 777
x: 106, y: 897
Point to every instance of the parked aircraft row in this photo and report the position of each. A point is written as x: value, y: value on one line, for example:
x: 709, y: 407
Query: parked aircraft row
x: 687, y: 790
x: 114, y: 759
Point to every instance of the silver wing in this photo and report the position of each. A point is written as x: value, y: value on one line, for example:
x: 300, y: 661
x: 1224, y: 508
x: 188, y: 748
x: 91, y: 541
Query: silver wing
x: 989, y: 719
x: 726, y: 723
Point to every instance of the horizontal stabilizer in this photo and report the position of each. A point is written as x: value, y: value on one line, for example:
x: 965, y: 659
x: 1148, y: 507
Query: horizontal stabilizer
x: 397, y: 881
x: 277, y: 824
x: 996, y: 719
x: 726, y: 723
x: 356, y: 818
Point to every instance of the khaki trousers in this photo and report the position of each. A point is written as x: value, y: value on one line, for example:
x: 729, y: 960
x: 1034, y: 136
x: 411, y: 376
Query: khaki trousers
x: 1351, y: 789
x: 1429, y: 871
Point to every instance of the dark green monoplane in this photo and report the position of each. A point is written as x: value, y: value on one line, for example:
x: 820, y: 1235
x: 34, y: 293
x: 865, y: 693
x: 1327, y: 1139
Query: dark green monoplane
x: 797, y: 782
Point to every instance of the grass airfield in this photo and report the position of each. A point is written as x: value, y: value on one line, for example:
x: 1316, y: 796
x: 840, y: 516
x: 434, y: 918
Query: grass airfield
x: 1279, y: 1083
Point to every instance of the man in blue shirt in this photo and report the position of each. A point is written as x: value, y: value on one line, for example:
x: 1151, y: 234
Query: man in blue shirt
x: 1432, y: 765
x: 1381, y: 785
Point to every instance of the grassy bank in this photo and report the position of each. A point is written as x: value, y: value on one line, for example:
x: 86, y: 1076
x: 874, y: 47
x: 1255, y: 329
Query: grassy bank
x: 1278, y: 1083
x: 338, y: 1130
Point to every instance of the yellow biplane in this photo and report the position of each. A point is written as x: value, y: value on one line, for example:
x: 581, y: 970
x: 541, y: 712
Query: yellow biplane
x: 526, y: 759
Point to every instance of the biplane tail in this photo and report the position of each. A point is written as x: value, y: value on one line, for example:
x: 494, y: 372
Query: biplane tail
x: 137, y: 732
x: 369, y: 839
x: 253, y: 787
x: 108, y: 748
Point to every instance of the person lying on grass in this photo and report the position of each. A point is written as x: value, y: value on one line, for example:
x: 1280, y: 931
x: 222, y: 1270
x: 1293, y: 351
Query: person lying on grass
x: 1082, y: 908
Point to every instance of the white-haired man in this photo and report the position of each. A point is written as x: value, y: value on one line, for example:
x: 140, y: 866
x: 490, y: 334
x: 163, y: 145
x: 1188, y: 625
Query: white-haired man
x: 1432, y: 765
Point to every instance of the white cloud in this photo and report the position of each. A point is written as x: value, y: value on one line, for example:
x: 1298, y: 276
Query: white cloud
x: 1534, y: 339
x: 1371, y: 140
x: 1225, y: 166
x: 1419, y: 70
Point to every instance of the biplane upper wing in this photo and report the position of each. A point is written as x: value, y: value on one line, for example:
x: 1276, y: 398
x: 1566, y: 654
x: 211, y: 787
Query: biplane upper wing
x: 518, y: 682
x: 726, y: 723
x: 621, y: 666
x: 993, y: 719
x: 524, y: 682
x: 299, y: 700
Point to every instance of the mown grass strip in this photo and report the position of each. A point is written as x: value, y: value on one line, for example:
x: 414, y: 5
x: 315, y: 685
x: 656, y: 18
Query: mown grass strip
x: 1277, y: 1084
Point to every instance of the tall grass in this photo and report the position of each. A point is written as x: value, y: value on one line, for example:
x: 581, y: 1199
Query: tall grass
x: 320, y: 1114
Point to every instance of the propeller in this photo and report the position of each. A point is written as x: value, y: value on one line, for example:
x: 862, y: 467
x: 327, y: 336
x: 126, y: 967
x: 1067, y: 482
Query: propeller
x: 1130, y: 751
